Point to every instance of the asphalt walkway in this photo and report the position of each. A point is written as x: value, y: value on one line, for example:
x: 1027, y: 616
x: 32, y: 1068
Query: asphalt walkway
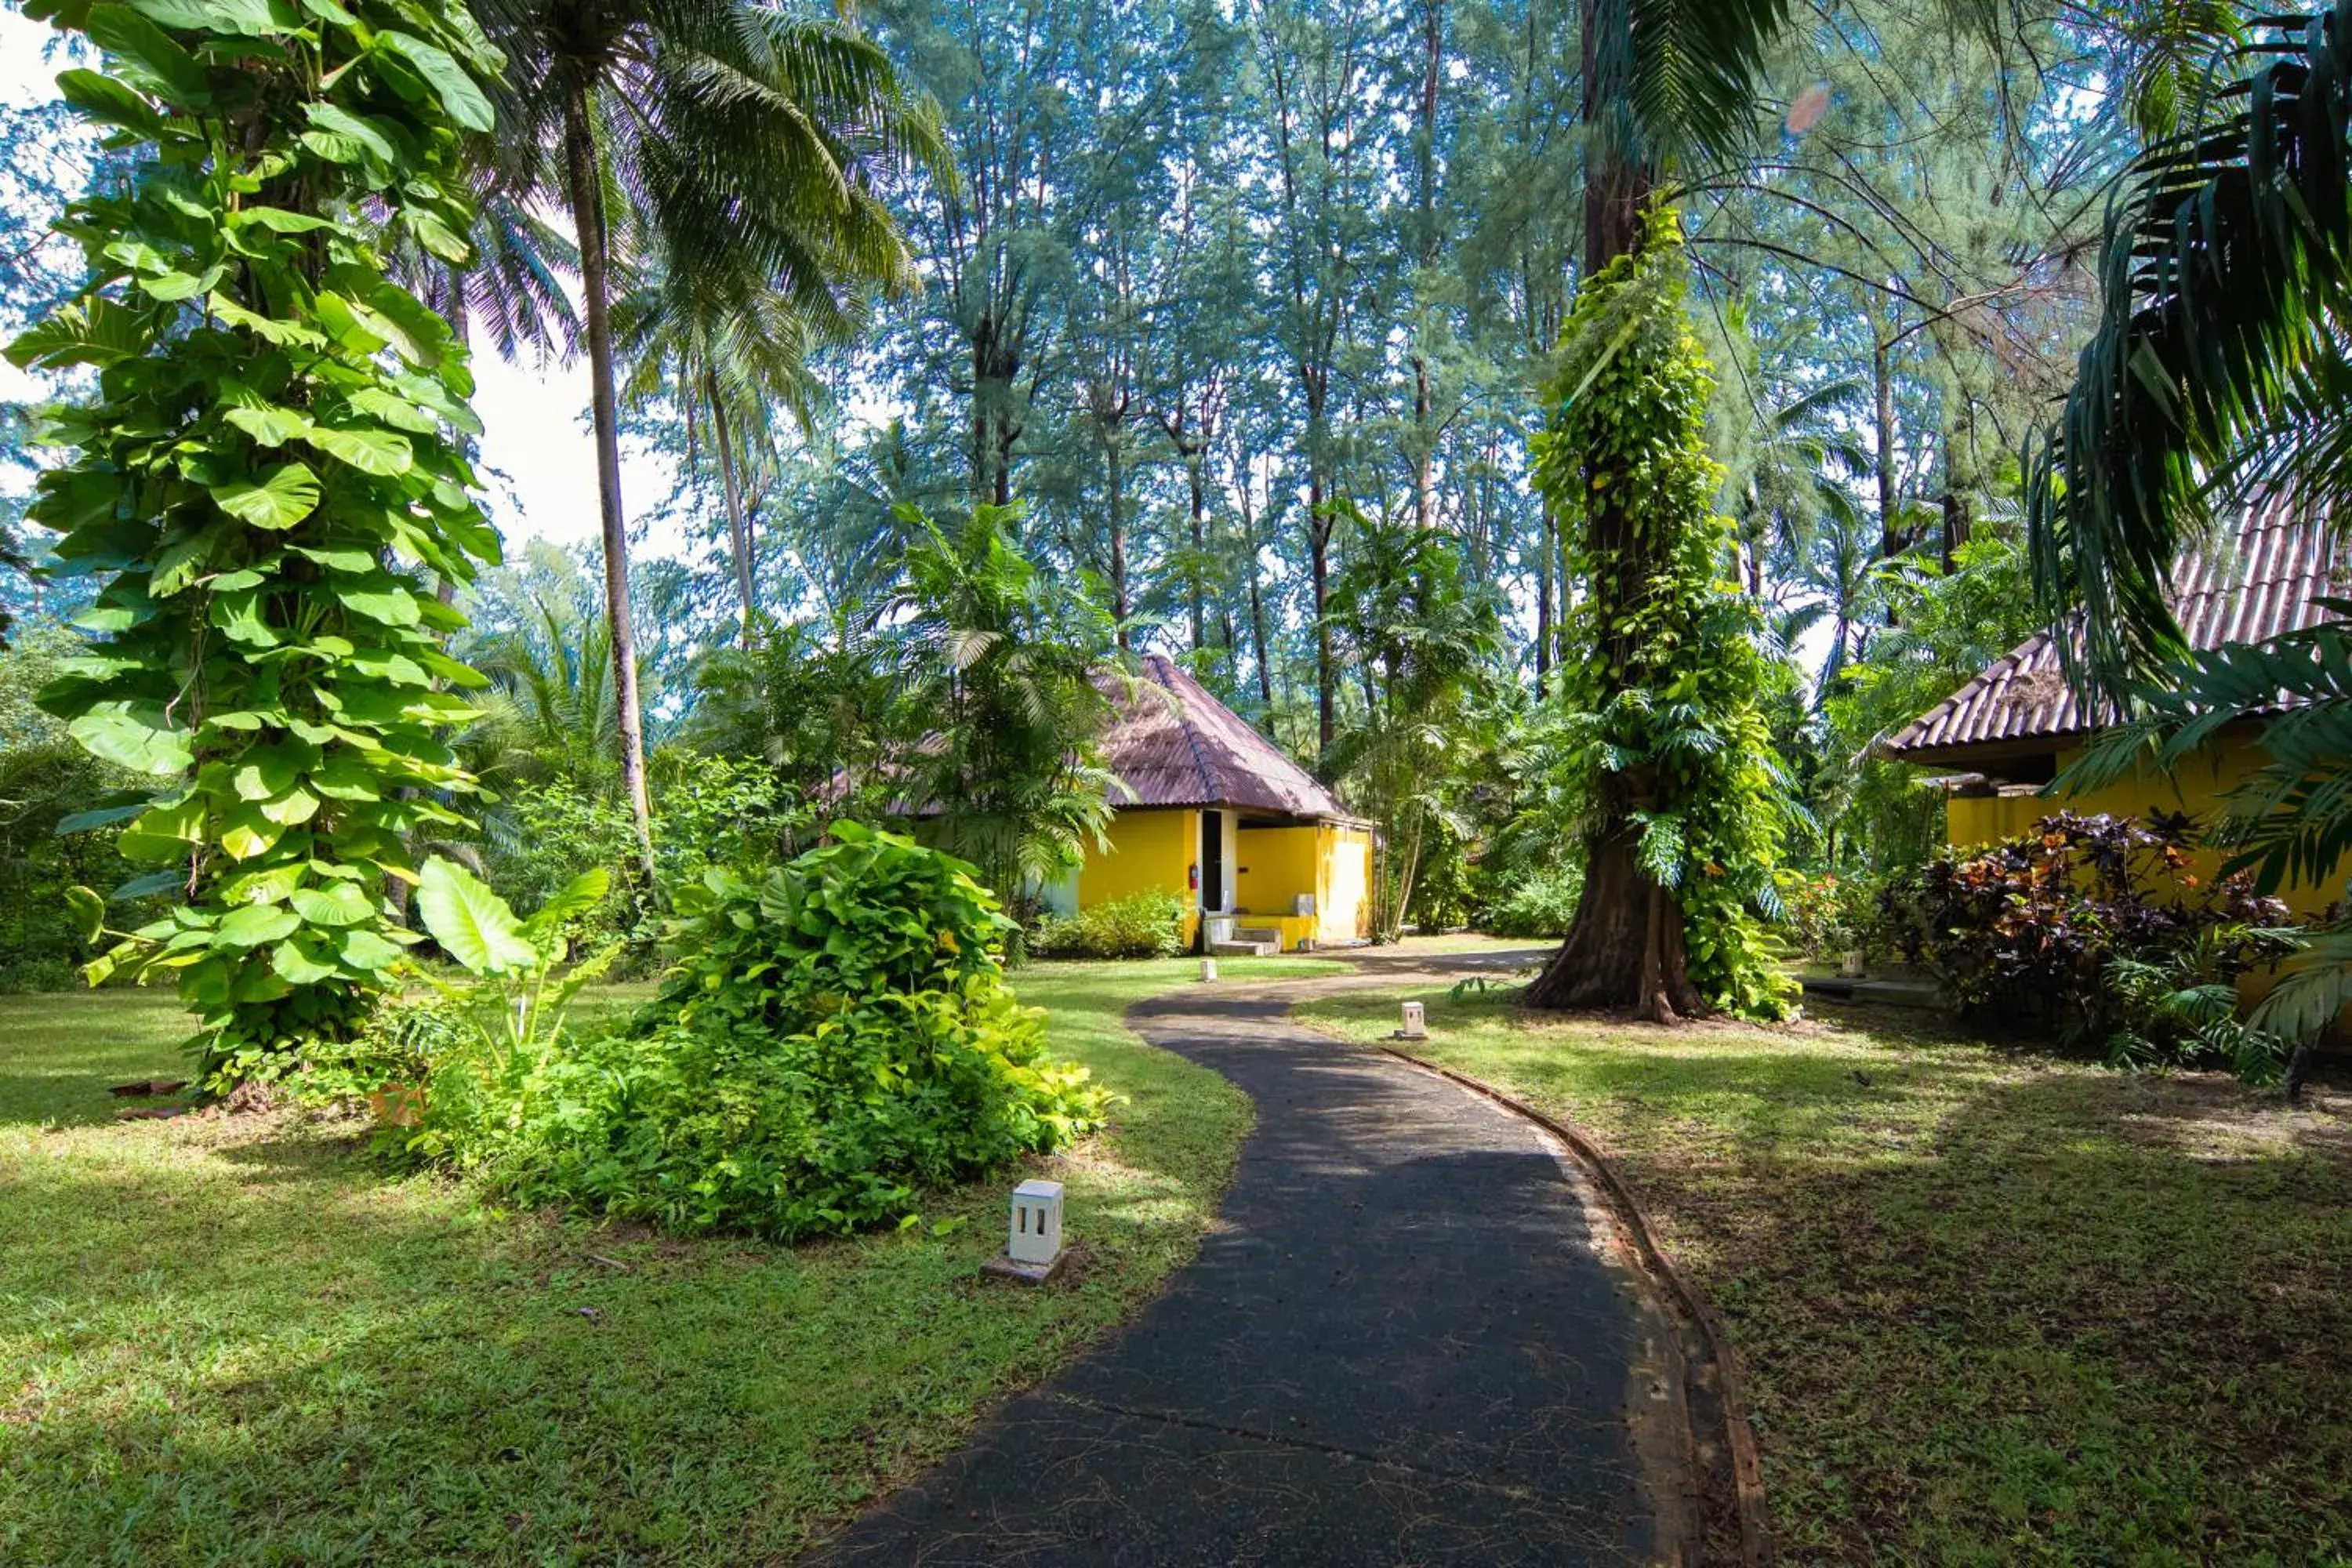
x: 1404, y: 1341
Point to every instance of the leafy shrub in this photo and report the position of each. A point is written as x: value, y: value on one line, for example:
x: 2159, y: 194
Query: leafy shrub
x: 544, y: 837
x: 401, y: 1043
x: 708, y: 811
x: 1147, y: 925
x: 1830, y: 915
x: 2095, y: 930
x: 1539, y: 902
x: 46, y: 779
x: 836, y: 1037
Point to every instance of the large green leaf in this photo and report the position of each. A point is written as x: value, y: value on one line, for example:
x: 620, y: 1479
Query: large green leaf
x: 256, y: 925
x: 577, y: 898
x: 336, y: 904
x: 377, y: 452
x: 287, y: 494
x: 163, y: 833
x: 89, y: 911
x: 104, y: 98
x: 393, y: 605
x: 460, y: 93
x: 473, y: 924
x: 140, y: 736
x: 128, y: 36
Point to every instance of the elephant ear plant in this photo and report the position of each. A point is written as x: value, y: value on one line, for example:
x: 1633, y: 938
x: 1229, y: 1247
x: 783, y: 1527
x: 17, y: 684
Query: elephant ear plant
x: 518, y: 1003
x: 266, y: 474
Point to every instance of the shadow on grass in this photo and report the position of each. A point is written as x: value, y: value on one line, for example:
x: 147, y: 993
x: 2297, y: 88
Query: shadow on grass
x: 233, y: 1339
x: 1994, y: 1307
x: 60, y: 1051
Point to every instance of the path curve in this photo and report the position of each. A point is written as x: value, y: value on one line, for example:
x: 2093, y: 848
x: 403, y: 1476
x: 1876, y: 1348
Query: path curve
x: 1408, y: 1337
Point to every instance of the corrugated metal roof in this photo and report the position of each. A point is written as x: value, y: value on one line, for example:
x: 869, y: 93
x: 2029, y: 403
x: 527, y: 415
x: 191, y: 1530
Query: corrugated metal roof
x: 2266, y: 579
x: 1173, y: 743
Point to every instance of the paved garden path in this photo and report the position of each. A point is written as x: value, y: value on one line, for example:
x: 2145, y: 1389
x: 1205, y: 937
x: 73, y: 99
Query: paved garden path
x: 1402, y: 1342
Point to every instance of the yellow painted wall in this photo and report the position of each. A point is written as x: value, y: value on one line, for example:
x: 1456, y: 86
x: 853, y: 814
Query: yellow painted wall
x: 1275, y: 865
x: 1150, y: 851
x: 1333, y: 862
x: 1344, y: 899
x: 2196, y: 787
x: 1155, y: 851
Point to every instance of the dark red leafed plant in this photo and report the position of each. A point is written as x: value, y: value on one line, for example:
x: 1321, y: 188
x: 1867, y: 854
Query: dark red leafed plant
x: 2097, y: 930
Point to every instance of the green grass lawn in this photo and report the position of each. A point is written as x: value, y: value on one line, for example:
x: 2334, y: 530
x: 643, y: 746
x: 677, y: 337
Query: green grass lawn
x: 1992, y: 1308
x: 231, y: 1339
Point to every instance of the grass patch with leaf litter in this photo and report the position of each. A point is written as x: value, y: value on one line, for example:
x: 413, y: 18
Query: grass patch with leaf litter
x: 232, y: 1339
x: 1992, y: 1308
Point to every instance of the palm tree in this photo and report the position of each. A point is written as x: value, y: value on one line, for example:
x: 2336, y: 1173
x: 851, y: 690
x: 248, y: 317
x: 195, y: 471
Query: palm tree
x: 727, y: 351
x: 1003, y: 655
x: 1783, y: 480
x: 728, y: 135
x: 1424, y: 641
x: 2222, y: 366
x: 2223, y: 353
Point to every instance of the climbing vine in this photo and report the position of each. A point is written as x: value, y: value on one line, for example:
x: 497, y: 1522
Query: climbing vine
x: 266, y: 477
x: 1661, y: 720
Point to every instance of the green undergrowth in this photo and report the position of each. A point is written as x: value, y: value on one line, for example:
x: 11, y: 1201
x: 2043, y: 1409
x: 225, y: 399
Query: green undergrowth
x: 231, y: 1339
x: 1992, y: 1309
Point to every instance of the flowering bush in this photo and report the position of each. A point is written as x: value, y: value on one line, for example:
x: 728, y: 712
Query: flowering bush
x: 1828, y: 915
x: 2096, y: 930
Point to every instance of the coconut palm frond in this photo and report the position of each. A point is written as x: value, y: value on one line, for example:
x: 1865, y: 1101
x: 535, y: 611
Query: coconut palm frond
x: 2226, y: 297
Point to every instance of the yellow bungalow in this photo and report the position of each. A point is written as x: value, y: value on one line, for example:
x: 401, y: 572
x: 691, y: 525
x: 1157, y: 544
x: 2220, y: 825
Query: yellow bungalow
x: 1213, y: 812
x: 2014, y: 729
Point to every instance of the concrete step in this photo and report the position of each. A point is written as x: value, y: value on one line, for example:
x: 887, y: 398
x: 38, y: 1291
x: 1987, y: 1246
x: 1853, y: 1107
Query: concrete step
x: 1237, y: 948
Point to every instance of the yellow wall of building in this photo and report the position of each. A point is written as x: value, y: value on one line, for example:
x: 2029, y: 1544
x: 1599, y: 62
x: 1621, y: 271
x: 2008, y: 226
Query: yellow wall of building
x: 1276, y: 864
x: 1344, y: 901
x: 1155, y: 851
x: 2197, y: 787
x: 1333, y: 862
x: 1150, y: 851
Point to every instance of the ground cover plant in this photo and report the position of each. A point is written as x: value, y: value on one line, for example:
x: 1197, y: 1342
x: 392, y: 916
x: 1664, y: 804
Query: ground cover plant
x: 1992, y: 1308
x: 230, y: 1339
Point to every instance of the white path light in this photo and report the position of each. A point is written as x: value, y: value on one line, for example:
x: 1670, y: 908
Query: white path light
x: 1033, y: 1251
x: 1415, y: 1026
x: 1208, y: 969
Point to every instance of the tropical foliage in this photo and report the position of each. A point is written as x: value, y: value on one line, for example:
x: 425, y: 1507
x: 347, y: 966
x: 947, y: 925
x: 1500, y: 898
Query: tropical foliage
x: 264, y: 477
x: 2096, y: 927
x: 1423, y: 644
x: 729, y: 151
x: 836, y: 1038
x: 1004, y: 658
x: 1147, y: 925
x: 2217, y: 375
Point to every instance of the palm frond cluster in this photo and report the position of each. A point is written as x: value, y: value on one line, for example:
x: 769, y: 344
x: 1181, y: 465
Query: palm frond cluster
x: 2220, y: 354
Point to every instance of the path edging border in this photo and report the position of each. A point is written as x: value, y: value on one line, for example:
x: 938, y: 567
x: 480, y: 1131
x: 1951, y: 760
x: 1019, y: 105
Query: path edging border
x: 1755, y: 1548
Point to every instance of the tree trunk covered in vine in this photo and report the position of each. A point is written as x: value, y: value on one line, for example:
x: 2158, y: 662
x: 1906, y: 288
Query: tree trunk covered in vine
x: 1625, y: 950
